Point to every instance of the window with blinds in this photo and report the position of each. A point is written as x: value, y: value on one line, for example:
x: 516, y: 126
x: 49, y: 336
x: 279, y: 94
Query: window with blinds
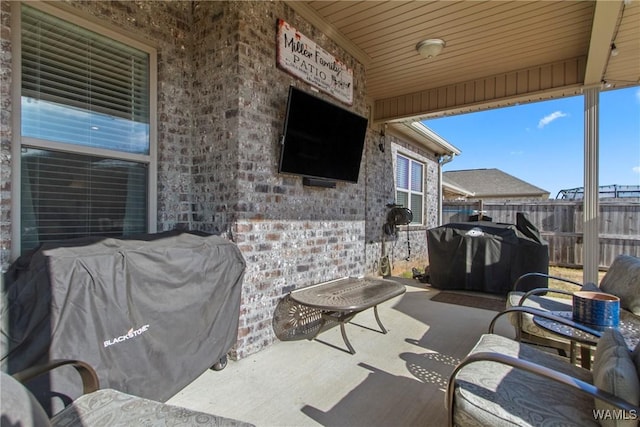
x: 85, y: 131
x: 409, y: 186
x: 80, y: 87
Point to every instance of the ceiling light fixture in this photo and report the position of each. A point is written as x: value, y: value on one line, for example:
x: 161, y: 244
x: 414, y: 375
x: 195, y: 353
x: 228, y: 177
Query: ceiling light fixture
x: 614, y: 50
x: 430, y: 48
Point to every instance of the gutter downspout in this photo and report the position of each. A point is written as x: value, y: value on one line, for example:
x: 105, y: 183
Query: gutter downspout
x: 442, y: 160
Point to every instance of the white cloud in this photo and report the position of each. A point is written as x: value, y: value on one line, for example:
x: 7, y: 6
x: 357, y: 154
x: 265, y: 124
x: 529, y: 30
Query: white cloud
x: 636, y: 169
x: 549, y: 118
x: 638, y: 95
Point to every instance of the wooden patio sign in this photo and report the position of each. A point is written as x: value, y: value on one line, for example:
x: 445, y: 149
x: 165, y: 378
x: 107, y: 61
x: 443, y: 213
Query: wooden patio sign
x: 302, y: 58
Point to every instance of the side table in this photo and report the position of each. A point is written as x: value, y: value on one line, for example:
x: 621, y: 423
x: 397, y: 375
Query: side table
x: 630, y: 331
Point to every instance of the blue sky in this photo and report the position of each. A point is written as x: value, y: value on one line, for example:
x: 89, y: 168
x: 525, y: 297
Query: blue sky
x: 543, y: 142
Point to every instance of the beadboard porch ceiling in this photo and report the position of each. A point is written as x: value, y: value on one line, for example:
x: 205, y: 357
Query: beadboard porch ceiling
x: 497, y: 53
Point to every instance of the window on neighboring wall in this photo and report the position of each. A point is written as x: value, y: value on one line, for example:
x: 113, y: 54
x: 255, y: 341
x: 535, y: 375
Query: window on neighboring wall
x: 86, y: 162
x: 409, y: 186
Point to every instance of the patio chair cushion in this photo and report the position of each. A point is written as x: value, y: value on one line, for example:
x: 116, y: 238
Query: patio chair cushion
x: 109, y: 407
x: 106, y: 407
x: 608, y: 344
x: 635, y: 356
x: 547, y: 303
x: 19, y: 406
x: 614, y: 371
x: 623, y: 280
x: 489, y: 393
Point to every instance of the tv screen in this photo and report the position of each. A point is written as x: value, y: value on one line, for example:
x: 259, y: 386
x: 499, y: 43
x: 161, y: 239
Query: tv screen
x: 321, y: 140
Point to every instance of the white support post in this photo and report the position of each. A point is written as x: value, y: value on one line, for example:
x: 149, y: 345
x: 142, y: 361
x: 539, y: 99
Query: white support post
x: 591, y: 244
x: 440, y: 193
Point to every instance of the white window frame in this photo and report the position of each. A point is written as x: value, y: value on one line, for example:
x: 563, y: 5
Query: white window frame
x: 18, y: 141
x: 409, y: 191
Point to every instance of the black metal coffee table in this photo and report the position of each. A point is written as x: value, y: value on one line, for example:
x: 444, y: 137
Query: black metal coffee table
x: 304, y: 312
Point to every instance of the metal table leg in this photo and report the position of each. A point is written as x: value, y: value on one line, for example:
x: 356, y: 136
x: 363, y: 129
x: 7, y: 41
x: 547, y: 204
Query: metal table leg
x: 342, y: 319
x: 346, y: 340
x: 375, y: 312
x: 585, y: 356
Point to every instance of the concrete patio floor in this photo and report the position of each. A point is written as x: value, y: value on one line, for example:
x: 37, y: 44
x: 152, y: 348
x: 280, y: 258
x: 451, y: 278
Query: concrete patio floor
x: 397, y: 379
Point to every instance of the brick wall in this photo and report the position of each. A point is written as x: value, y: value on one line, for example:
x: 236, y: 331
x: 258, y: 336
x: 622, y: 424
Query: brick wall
x: 214, y: 192
x: 290, y: 235
x: 221, y: 108
x: 406, y: 250
x: 6, y: 134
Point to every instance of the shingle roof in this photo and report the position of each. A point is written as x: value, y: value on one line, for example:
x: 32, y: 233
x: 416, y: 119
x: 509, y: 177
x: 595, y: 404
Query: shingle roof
x: 492, y: 182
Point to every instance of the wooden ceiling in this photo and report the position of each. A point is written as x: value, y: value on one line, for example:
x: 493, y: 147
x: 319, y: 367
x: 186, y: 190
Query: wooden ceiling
x: 497, y: 53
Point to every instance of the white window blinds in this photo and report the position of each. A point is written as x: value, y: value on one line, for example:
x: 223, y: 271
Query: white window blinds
x: 409, y: 185
x: 68, y: 195
x: 402, y: 172
x: 92, y: 94
x: 81, y: 87
x: 416, y: 176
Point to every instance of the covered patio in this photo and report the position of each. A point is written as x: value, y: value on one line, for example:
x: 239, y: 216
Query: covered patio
x: 397, y: 379
x: 216, y: 113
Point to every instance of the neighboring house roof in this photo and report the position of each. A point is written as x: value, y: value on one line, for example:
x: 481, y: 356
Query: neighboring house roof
x: 485, y: 183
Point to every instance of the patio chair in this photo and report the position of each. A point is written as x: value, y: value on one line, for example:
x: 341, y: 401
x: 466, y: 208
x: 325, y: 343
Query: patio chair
x: 622, y: 279
x: 95, y: 406
x: 504, y: 382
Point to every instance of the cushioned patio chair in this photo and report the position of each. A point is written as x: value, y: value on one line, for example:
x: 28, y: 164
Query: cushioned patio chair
x: 504, y: 382
x: 622, y: 279
x: 104, y: 407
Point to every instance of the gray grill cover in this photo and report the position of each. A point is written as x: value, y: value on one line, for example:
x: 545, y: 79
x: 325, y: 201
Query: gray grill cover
x: 486, y: 256
x: 150, y: 316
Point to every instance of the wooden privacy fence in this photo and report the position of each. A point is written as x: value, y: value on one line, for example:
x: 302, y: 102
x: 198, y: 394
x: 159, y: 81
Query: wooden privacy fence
x: 561, y: 225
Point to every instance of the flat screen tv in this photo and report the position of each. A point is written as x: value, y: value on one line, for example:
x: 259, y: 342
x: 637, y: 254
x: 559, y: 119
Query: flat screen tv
x: 321, y: 140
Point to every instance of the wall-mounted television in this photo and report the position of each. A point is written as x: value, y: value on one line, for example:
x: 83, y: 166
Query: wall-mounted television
x: 321, y: 141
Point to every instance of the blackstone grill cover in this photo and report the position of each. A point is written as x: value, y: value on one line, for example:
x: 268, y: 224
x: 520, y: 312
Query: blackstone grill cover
x: 149, y: 314
x: 486, y: 256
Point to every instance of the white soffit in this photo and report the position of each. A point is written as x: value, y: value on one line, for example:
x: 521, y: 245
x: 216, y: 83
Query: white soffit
x: 417, y: 133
